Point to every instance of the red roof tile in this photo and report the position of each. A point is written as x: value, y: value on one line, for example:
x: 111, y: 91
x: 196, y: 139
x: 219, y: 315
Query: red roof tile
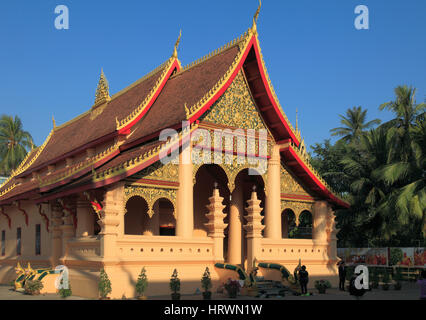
x: 188, y: 86
x: 83, y: 129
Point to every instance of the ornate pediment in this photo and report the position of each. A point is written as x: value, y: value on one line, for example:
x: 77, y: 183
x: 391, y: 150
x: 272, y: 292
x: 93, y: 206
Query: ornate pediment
x: 289, y: 184
x: 235, y: 108
x: 159, y: 172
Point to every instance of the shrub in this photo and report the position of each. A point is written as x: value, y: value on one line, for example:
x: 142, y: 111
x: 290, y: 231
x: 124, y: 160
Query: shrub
x: 175, y: 282
x: 64, y: 293
x: 232, y: 287
x: 322, y: 285
x: 104, y: 285
x: 33, y: 287
x: 206, y: 281
x: 142, y: 282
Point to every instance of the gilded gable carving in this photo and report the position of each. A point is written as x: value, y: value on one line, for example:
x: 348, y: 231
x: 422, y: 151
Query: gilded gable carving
x: 159, y: 171
x: 289, y: 184
x: 235, y: 108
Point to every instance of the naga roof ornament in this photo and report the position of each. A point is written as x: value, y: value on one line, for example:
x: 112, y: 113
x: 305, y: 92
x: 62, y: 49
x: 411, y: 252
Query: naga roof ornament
x: 175, y: 55
x: 256, y: 16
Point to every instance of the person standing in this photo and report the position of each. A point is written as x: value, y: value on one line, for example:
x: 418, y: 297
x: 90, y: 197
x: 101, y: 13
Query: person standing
x: 303, y: 279
x: 342, y: 275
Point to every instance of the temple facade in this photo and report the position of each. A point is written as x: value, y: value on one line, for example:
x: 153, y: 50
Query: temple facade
x: 106, y: 190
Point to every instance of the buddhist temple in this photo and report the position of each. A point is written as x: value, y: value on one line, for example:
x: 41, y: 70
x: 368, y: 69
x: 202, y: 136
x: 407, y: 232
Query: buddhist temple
x: 97, y: 193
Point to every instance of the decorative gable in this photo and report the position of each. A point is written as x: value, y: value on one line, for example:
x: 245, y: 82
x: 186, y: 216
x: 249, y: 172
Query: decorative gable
x: 289, y: 184
x: 235, y: 108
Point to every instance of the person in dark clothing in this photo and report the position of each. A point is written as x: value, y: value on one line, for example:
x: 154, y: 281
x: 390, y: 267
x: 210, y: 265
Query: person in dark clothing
x: 303, y: 280
x: 342, y: 275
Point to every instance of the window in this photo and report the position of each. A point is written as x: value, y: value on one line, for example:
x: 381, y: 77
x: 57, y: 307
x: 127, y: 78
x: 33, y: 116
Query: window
x: 18, y: 242
x: 3, y: 243
x: 38, y: 240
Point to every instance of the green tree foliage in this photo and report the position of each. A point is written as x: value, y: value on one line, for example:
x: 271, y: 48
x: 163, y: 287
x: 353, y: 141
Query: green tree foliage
x: 142, y: 282
x: 15, y: 142
x: 354, y: 125
x: 381, y: 172
x: 104, y: 284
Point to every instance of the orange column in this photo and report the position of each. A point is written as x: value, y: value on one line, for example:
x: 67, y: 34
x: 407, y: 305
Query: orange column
x: 56, y: 234
x: 113, y: 206
x: 68, y: 232
x: 185, y: 201
x: 319, y: 228
x: 273, y: 196
x: 236, y: 213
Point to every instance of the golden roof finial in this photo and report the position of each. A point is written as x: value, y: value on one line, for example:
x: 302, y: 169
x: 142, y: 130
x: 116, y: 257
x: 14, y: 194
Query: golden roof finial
x: 54, y: 122
x: 256, y: 16
x: 177, y: 45
x: 102, y: 91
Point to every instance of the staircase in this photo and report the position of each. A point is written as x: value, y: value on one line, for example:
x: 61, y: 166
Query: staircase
x: 270, y: 288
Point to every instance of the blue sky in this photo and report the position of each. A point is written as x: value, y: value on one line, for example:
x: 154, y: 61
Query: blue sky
x: 318, y: 62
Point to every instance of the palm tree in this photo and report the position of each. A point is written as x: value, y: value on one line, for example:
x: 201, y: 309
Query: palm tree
x: 407, y: 112
x: 368, y: 190
x: 408, y: 177
x: 14, y: 143
x: 353, y: 125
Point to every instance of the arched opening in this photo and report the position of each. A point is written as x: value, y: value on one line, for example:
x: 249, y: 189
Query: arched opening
x: 207, y: 176
x: 304, y: 229
x: 245, y: 183
x: 288, y: 223
x: 167, y: 222
x: 136, y: 218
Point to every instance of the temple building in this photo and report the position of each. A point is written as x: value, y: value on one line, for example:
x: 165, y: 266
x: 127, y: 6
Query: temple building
x: 97, y: 194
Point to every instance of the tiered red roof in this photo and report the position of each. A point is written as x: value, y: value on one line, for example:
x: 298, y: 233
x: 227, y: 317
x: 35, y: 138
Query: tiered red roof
x: 161, y: 100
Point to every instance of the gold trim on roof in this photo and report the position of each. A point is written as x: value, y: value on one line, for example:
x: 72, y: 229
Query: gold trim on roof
x: 131, y: 163
x: 274, y: 95
x: 81, y: 166
x: 24, y: 166
x: 243, y: 42
x: 116, y: 95
x: 214, y: 53
x: 134, y: 84
x: 304, y: 156
x: 141, y: 108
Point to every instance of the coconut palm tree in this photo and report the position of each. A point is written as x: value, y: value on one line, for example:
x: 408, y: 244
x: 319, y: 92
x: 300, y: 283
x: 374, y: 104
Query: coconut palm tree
x: 14, y: 143
x: 353, y: 125
x: 407, y: 113
x: 408, y: 177
x: 368, y: 190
